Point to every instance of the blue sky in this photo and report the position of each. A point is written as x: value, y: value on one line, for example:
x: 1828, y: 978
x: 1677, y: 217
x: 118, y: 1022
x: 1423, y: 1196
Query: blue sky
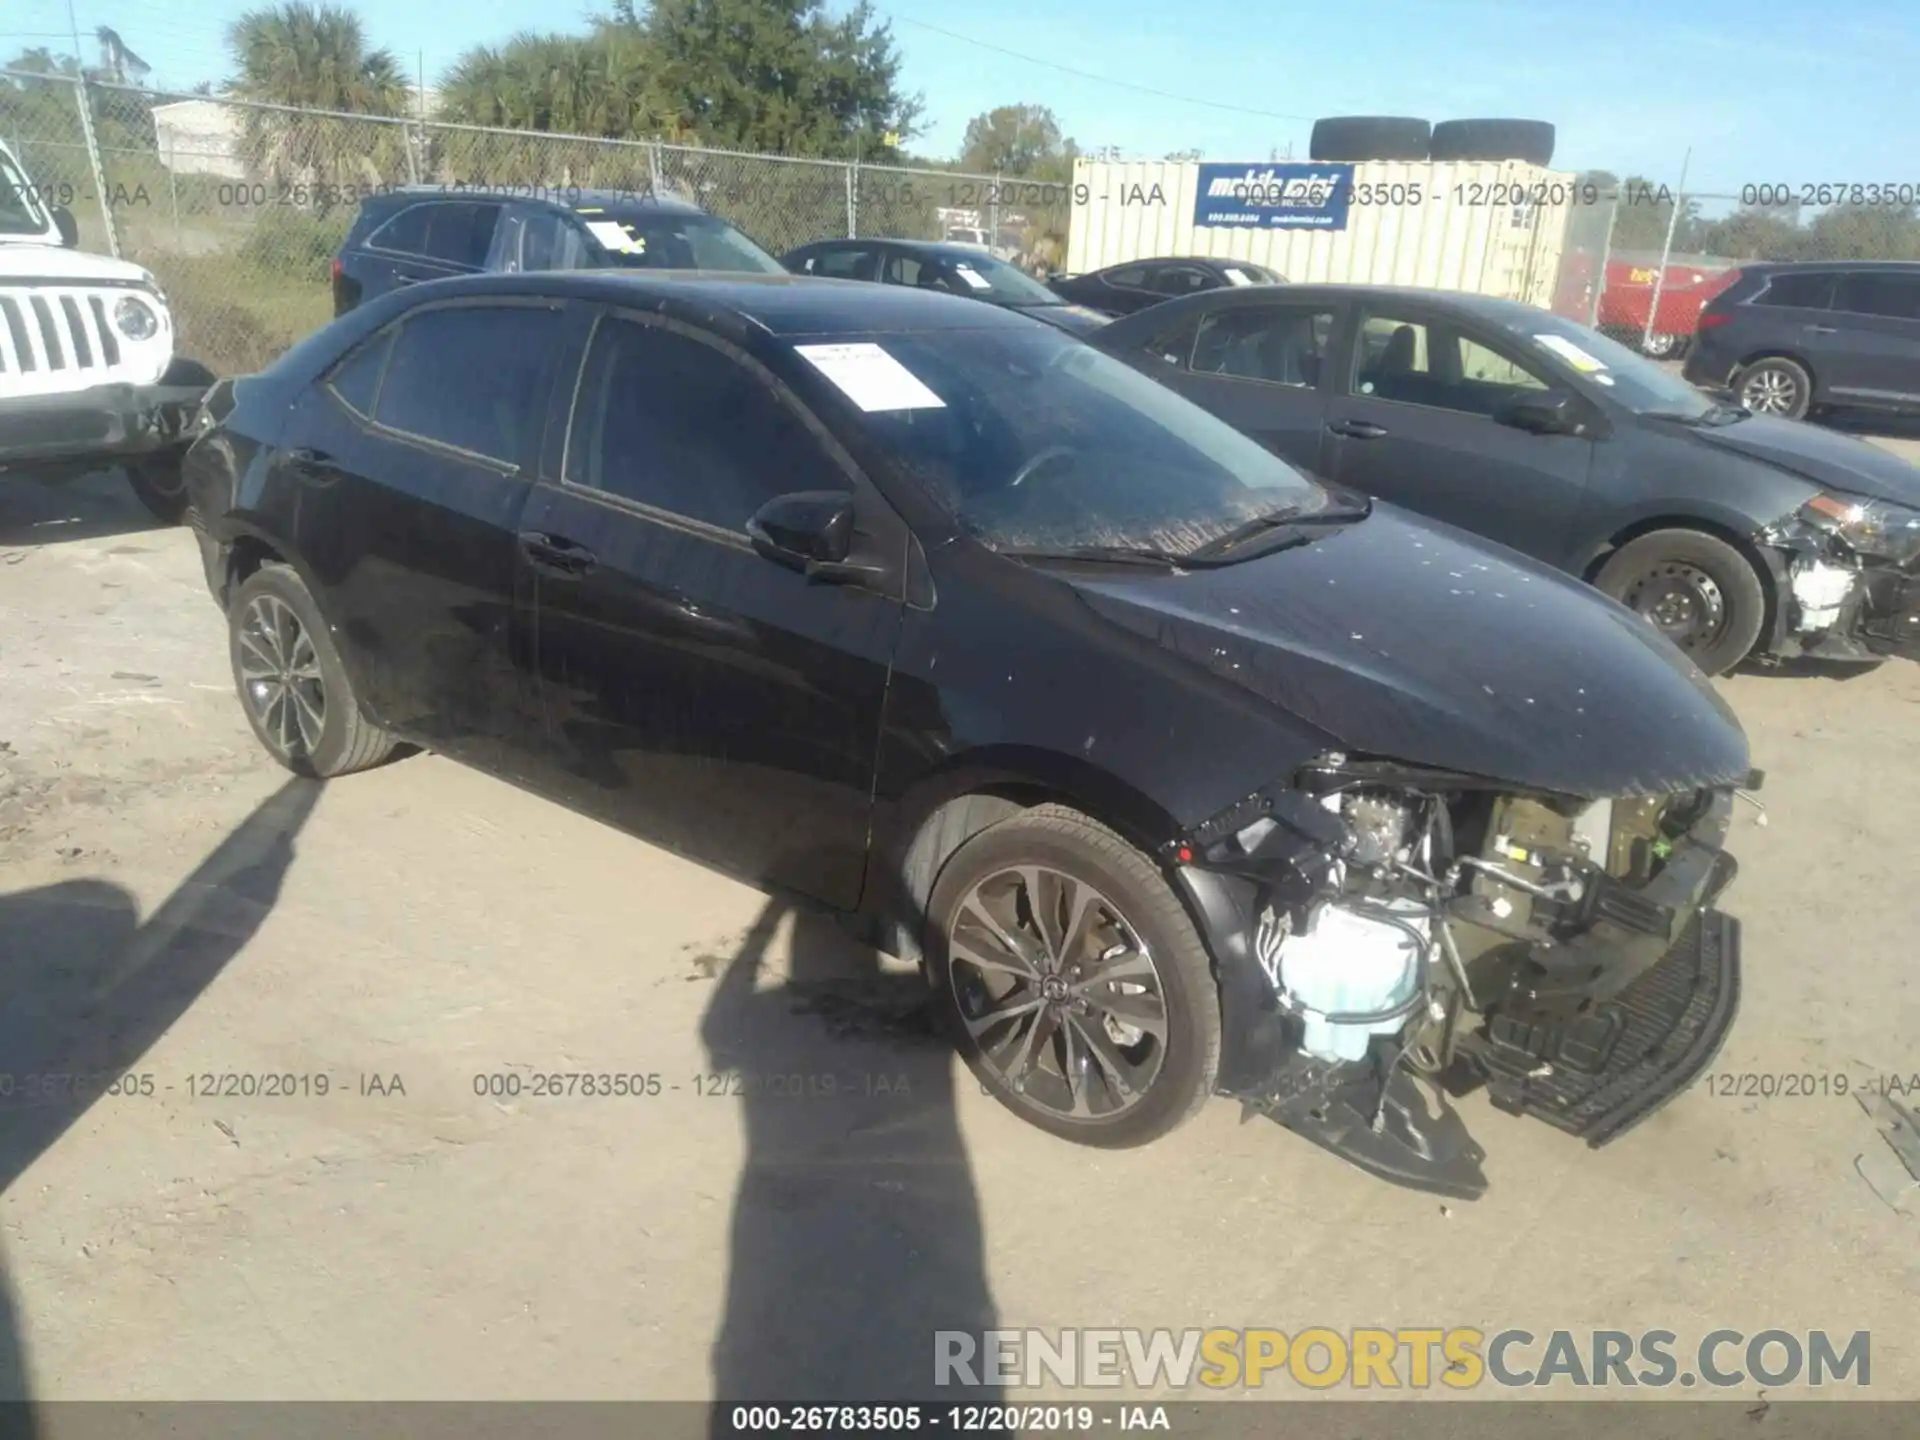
x: 1807, y: 96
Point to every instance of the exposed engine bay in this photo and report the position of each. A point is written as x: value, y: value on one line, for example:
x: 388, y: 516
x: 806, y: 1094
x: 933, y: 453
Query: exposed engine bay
x: 1413, y: 926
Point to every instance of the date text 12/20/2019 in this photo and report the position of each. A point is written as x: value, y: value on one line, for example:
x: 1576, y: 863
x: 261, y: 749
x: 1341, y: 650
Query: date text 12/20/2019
x: 54, y: 1086
x: 954, y: 1419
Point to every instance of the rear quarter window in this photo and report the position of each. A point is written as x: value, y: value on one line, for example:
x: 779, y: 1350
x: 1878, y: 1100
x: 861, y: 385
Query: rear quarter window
x: 1797, y: 290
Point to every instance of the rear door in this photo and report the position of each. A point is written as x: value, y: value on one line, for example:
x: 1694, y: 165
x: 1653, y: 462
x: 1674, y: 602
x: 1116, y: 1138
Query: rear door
x: 693, y: 691
x: 410, y: 464
x: 1411, y: 422
x: 1876, y: 356
x: 1793, y: 315
x: 1263, y: 369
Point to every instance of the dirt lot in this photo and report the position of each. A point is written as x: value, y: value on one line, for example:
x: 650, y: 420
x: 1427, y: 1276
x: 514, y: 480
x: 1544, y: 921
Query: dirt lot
x: 169, y: 902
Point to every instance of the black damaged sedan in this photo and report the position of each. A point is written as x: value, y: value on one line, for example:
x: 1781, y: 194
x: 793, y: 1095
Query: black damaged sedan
x: 1180, y: 773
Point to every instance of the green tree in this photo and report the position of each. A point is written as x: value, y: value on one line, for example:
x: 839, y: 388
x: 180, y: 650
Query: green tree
x: 778, y: 75
x: 596, y: 84
x: 1023, y: 140
x: 315, y: 57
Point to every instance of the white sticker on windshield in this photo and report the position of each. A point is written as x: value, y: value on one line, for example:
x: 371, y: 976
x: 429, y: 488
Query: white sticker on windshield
x: 1571, y: 353
x: 967, y: 274
x: 870, y: 377
x: 616, y: 236
x: 1236, y: 277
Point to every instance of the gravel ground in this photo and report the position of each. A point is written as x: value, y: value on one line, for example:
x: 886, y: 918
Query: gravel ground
x: 171, y: 902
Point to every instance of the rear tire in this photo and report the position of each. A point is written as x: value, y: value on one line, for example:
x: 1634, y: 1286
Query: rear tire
x: 1696, y: 589
x: 1775, y: 385
x: 1143, y: 1042
x: 291, y: 683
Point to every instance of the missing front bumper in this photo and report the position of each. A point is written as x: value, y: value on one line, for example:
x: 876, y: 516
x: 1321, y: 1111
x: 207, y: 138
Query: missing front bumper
x: 1598, y: 1074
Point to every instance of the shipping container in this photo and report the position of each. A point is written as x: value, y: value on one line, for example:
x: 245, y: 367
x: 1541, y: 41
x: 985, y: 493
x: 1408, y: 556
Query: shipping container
x: 1494, y: 229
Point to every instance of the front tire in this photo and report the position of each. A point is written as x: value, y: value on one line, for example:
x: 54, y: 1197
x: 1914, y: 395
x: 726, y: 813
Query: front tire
x: 292, y: 685
x: 1075, y: 985
x: 1775, y: 386
x: 1696, y: 589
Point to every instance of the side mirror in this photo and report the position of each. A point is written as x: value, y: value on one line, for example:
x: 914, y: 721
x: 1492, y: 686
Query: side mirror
x: 68, y: 227
x: 810, y: 531
x: 1542, y: 412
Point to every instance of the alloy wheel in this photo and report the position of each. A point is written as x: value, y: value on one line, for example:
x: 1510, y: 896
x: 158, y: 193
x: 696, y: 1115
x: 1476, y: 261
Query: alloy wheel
x: 1770, y: 392
x: 1683, y: 602
x: 1059, y: 992
x: 280, y: 677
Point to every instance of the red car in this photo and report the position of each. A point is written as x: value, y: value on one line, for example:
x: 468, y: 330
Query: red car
x: 1627, y: 300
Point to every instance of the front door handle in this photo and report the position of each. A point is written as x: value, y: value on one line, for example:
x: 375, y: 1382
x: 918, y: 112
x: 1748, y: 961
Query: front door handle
x: 1357, y: 429
x: 1823, y: 330
x: 556, y: 554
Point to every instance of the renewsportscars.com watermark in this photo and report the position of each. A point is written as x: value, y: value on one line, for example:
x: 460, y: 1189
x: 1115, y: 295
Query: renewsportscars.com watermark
x: 1459, y: 1358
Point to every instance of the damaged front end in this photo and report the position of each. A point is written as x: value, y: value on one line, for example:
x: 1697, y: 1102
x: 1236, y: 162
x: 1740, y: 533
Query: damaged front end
x: 1388, y: 934
x: 1847, y: 571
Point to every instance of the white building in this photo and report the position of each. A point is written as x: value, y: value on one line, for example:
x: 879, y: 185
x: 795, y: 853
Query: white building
x: 202, y: 137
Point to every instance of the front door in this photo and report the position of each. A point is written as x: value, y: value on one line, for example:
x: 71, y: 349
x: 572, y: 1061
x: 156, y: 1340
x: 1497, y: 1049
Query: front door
x: 1413, y: 424
x: 693, y: 691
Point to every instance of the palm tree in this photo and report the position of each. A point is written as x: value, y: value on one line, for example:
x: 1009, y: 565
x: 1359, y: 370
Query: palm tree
x: 314, y: 57
x: 594, y: 85
x: 117, y: 62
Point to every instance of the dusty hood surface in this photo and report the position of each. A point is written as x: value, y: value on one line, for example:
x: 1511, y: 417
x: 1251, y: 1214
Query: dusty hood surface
x: 1839, y: 462
x: 1419, y: 643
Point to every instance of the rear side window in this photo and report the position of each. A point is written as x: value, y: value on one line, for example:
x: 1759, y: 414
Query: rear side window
x: 356, y: 379
x: 456, y: 231
x: 681, y: 425
x: 843, y: 264
x: 1135, y: 276
x: 472, y: 376
x: 1887, y: 294
x: 1797, y: 290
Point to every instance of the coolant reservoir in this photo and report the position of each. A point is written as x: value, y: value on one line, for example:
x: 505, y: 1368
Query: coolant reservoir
x: 1349, y: 963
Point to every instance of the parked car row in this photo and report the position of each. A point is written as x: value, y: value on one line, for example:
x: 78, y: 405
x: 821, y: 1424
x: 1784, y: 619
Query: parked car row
x: 1145, y: 680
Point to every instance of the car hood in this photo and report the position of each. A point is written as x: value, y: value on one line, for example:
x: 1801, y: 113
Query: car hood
x: 1839, y: 462
x: 32, y: 259
x: 1076, y: 319
x: 1409, y: 640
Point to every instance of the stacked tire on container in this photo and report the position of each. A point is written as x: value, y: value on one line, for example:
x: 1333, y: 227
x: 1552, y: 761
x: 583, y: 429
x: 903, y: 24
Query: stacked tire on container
x: 1360, y: 138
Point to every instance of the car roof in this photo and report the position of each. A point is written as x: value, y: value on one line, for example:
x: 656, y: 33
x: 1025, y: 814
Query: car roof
x: 779, y: 305
x: 1779, y: 267
x: 614, y: 203
x: 1494, y: 309
x: 923, y: 247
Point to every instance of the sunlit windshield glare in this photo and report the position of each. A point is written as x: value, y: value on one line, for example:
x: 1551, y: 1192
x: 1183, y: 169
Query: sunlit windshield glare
x: 1045, y: 443
x: 1633, y: 380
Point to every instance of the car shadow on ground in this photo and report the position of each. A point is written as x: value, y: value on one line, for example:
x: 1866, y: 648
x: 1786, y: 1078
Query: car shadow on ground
x: 87, y: 987
x: 91, y: 507
x: 856, y: 1229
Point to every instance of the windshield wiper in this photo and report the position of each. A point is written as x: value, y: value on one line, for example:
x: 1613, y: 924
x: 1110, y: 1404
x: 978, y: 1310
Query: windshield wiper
x: 1287, y: 519
x: 1102, y: 554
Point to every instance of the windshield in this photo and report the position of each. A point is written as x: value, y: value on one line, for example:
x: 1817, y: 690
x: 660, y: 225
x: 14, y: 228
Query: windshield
x: 1633, y: 380
x: 666, y: 241
x: 1041, y: 442
x: 19, y: 205
x: 982, y: 276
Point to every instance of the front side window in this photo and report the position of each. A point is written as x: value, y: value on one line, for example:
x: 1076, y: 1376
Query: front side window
x: 472, y: 376
x: 1042, y: 442
x: 1417, y: 363
x: 681, y: 425
x: 20, y: 209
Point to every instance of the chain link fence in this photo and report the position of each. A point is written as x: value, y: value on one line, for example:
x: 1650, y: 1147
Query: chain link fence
x: 238, y: 208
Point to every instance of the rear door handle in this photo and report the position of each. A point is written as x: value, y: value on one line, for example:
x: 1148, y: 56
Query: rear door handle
x: 1357, y: 429
x: 556, y: 554
x: 306, y: 455
x: 1823, y: 330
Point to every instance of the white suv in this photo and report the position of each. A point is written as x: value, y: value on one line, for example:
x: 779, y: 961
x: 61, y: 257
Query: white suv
x: 88, y: 377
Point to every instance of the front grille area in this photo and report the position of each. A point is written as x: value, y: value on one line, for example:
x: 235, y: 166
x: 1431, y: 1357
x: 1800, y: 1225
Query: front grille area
x: 56, y: 332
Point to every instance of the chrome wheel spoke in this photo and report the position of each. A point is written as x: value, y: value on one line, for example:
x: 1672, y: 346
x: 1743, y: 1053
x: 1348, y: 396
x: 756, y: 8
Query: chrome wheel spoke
x: 1145, y: 1012
x: 979, y: 1025
x: 280, y: 677
x: 1113, y: 1066
x: 1133, y: 965
x: 1009, y: 957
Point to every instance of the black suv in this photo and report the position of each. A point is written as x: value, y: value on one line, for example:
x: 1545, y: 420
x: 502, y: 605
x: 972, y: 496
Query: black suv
x: 430, y: 232
x: 1792, y: 338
